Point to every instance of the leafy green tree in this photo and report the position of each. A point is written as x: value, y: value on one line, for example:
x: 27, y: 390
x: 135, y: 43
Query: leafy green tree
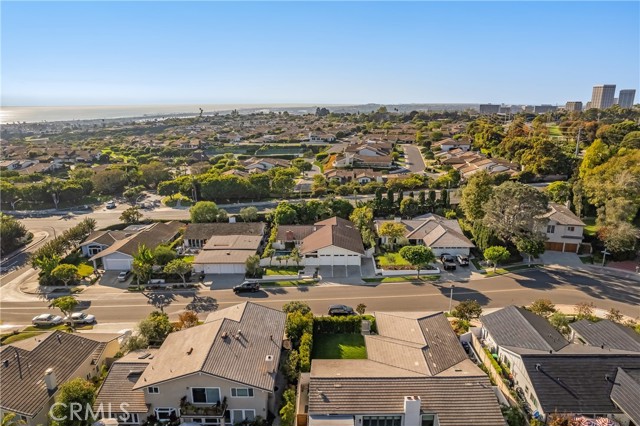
x: 475, y: 195
x: 204, y: 212
x: 65, y: 272
x: 631, y: 140
x: 249, y: 214
x: 12, y: 234
x: 284, y: 214
x: 288, y: 410
x: 392, y: 231
x: 290, y: 366
x: 409, y: 207
x: 178, y: 267
x: 252, y: 265
x: 513, y: 415
x: 495, y: 255
x: 560, y: 322
x: 109, y: 181
x: 79, y: 392
x: 542, y: 307
x: 559, y: 192
x: 296, y: 306
x: 514, y: 210
x: 597, y: 153
x: 298, y: 324
x: 532, y: 245
x: 153, y: 173
x: 283, y: 181
x: 619, y: 237
x: 417, y: 256
x: 295, y: 256
x: 467, y: 310
x: 156, y: 327
x: 301, y: 164
x: 131, y: 215
x: 163, y: 254
x: 66, y: 304
x: 362, y: 218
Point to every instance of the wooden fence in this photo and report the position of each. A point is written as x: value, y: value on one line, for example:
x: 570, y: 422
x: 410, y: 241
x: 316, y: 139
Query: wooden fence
x: 484, y: 358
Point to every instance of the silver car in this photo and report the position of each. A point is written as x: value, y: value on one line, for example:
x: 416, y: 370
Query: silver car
x: 47, y: 319
x: 80, y: 318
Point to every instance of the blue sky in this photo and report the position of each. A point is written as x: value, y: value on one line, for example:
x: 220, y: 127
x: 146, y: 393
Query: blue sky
x: 116, y: 53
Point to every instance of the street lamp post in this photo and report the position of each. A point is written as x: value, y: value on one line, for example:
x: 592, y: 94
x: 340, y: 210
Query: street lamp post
x: 604, y: 255
x: 451, y: 297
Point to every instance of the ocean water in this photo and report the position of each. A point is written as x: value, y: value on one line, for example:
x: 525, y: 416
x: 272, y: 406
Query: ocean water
x: 10, y: 114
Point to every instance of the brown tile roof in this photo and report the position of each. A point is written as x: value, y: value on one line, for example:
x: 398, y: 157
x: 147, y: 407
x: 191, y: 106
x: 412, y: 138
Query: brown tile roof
x: 118, y: 387
x: 223, y: 256
x: 27, y: 395
x: 203, y: 231
x: 456, y: 401
x: 233, y: 242
x: 153, y: 236
x: 250, y: 357
x: 294, y: 232
x: 334, y: 231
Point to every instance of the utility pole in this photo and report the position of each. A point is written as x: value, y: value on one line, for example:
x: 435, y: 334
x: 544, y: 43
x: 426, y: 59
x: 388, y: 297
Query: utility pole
x: 451, y: 297
x: 578, y: 140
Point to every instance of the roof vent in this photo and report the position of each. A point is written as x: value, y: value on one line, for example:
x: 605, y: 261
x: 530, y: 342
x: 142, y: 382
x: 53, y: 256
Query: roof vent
x: 224, y: 335
x: 228, y: 253
x: 190, y: 351
x: 538, y: 367
x: 269, y: 358
x: 607, y: 378
x: 5, y: 363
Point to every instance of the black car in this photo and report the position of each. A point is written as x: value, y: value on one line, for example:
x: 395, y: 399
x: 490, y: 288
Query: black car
x: 247, y: 286
x: 337, y: 310
x: 466, y: 347
x: 448, y: 262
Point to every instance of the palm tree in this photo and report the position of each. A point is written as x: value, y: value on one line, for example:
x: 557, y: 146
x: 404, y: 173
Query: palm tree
x: 9, y: 419
x: 142, y: 263
x: 295, y: 256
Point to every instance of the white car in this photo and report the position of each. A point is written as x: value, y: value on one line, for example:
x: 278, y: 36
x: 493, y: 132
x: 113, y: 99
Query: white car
x: 111, y: 205
x: 47, y: 319
x: 80, y: 318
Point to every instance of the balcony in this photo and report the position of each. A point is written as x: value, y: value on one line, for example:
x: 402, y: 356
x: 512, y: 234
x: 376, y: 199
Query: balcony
x: 203, y: 410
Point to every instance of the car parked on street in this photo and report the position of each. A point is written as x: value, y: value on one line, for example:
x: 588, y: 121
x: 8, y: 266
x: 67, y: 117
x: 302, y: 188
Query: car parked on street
x: 462, y: 260
x: 247, y: 287
x: 448, y: 262
x: 80, y: 318
x: 111, y: 205
x: 123, y: 276
x: 341, y: 310
x: 47, y: 319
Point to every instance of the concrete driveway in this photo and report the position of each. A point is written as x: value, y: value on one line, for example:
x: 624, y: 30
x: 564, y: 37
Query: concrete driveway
x: 558, y: 258
x: 223, y: 281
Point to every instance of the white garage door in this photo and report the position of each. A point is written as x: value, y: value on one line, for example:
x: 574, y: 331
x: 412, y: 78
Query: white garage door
x: 225, y: 268
x: 116, y: 264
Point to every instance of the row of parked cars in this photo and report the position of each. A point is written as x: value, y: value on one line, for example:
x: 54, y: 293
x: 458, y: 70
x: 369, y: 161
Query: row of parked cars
x: 75, y: 318
x: 449, y: 261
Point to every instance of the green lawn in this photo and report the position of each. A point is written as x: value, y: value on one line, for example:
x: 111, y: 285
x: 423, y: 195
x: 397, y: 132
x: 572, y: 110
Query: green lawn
x: 292, y: 283
x: 391, y: 259
x: 591, y: 228
x: 282, y: 271
x: 339, y: 346
x: 506, y: 270
x: 33, y: 331
x: 402, y: 278
x: 554, y: 130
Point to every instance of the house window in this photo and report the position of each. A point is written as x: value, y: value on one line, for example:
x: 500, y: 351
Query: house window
x: 242, y: 392
x: 165, y: 414
x: 153, y: 389
x: 381, y: 421
x: 238, y: 416
x: 125, y: 418
x: 571, y: 228
x: 551, y: 229
x: 428, y: 420
x: 205, y: 395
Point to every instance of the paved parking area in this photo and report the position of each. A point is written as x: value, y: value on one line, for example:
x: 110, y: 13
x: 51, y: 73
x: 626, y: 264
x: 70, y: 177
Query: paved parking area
x: 558, y: 258
x: 222, y: 281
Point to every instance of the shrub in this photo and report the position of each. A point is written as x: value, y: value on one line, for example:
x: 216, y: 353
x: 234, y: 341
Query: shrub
x: 306, y: 346
x: 341, y: 325
x: 494, y: 363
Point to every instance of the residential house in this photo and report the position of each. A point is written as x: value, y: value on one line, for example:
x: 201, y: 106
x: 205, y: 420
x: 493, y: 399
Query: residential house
x: 448, y: 144
x: 321, y: 137
x: 362, y: 176
x: 439, y: 234
x: 563, y: 229
x: 556, y: 375
x: 100, y: 240
x: 9, y: 164
x: 222, y: 372
x: 373, y: 154
x: 470, y: 162
x: 257, y: 165
x: 226, y: 254
x: 196, y: 235
x: 416, y: 374
x: 32, y: 370
x: 119, y: 255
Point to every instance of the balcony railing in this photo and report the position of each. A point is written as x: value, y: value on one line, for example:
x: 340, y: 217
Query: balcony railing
x: 203, y: 410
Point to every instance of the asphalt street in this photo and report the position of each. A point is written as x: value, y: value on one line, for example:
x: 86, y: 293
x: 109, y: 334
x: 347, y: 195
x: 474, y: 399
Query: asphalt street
x: 415, y: 162
x: 112, y: 305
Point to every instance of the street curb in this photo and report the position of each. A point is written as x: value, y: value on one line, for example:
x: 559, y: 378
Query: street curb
x: 20, y: 251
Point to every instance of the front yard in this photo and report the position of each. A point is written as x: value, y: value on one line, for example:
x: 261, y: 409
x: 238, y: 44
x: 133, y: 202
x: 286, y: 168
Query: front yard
x: 291, y: 270
x: 339, y: 346
x: 392, y: 260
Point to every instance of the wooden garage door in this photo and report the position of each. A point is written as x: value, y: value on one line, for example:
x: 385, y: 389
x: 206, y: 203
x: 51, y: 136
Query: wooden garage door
x: 571, y: 248
x: 553, y: 246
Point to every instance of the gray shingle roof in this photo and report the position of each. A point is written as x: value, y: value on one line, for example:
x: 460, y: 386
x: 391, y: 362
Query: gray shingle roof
x: 239, y: 357
x: 576, y: 383
x: 118, y: 387
x: 457, y: 401
x: 607, y: 333
x: 626, y: 393
x: 63, y: 352
x: 517, y: 327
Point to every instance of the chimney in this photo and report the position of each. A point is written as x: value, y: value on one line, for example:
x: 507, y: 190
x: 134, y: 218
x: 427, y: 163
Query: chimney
x: 50, y: 379
x: 412, y: 411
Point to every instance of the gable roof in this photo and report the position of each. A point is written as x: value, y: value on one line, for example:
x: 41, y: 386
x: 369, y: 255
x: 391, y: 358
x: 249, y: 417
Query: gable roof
x: 336, y: 232
x: 153, y: 236
x: 626, y: 393
x: 434, y: 230
x: 233, y: 242
x: 204, y: 231
x: 576, y: 383
x: 294, y: 232
x: 24, y: 390
x: 118, y: 386
x: 220, y: 349
x: 562, y: 215
x: 515, y: 326
x: 607, y: 333
x: 105, y: 238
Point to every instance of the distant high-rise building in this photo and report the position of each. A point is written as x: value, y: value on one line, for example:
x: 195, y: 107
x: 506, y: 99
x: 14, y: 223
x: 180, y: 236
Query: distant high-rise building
x: 626, y: 98
x: 573, y: 106
x: 541, y: 109
x: 587, y: 106
x: 489, y: 109
x: 615, y: 101
x: 602, y: 96
x: 505, y: 109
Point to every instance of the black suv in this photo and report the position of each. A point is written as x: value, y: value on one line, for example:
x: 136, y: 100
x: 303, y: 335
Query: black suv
x: 247, y: 286
x: 448, y: 262
x: 338, y: 310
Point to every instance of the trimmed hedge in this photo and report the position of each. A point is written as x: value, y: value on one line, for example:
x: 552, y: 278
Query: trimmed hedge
x: 306, y: 347
x: 342, y: 325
